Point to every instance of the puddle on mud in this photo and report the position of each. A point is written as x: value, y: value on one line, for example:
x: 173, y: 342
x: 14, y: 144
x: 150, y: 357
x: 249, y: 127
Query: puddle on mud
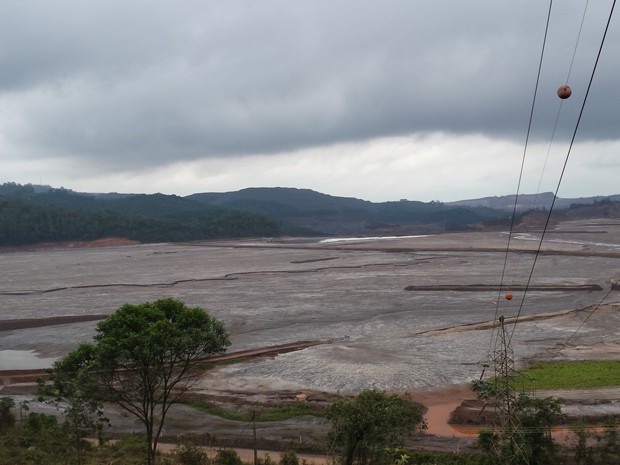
x: 24, y: 360
x: 437, y: 419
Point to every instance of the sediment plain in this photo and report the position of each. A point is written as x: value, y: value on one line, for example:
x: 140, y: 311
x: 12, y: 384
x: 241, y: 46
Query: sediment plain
x: 407, y: 314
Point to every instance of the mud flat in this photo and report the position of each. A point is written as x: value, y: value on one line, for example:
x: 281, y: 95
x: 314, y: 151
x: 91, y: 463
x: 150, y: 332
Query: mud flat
x: 350, y: 293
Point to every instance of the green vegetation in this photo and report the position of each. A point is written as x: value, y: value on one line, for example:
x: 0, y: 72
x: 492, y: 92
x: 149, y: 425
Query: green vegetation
x: 365, y: 427
x: 144, y: 358
x: 7, y: 418
x: 40, y: 439
x: 77, y: 389
x: 438, y: 458
x: 526, y: 439
x: 570, y: 374
x: 596, y: 447
x: 564, y: 374
x: 286, y: 203
x: 29, y: 216
x: 288, y: 411
x: 279, y: 413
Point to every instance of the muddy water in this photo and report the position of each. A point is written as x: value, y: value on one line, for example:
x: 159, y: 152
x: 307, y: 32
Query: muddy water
x: 437, y: 418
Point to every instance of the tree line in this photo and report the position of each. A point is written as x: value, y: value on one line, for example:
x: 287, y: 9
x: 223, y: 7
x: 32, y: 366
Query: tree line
x: 28, y: 217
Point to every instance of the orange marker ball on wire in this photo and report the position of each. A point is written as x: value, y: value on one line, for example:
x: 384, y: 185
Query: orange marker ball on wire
x: 564, y: 91
x: 508, y: 296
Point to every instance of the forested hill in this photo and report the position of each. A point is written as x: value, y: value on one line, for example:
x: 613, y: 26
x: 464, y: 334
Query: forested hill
x: 305, y: 208
x: 328, y: 214
x: 30, y: 215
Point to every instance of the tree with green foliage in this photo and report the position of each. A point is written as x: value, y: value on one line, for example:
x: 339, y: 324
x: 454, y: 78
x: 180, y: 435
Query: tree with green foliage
x: 28, y: 216
x: 598, y: 446
x: 38, y: 439
x: 289, y: 458
x: 536, y: 416
x: 227, y: 457
x: 147, y: 355
x: 7, y: 418
x: 609, y: 443
x: 584, y: 452
x: 364, y: 426
x: 75, y: 391
x: 190, y: 454
x: 533, y: 418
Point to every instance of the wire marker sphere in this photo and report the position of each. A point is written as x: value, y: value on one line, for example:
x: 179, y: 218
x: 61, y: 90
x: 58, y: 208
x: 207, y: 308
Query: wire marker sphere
x: 508, y: 296
x: 564, y: 91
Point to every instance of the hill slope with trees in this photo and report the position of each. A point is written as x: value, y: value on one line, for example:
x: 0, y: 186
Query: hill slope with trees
x: 32, y: 214
x: 304, y: 208
x: 29, y: 215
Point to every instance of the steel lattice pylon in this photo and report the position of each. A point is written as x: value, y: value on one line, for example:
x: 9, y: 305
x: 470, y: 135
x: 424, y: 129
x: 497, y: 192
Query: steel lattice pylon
x: 506, y: 425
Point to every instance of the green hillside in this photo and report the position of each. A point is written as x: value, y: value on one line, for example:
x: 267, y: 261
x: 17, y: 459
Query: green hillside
x: 29, y: 215
x: 337, y: 215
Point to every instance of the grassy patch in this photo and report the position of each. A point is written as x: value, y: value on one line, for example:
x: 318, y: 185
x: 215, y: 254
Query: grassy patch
x: 214, y: 409
x: 279, y: 413
x: 288, y: 411
x: 570, y: 374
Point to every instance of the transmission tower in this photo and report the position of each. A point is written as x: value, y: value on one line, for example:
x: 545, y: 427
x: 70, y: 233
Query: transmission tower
x: 506, y: 425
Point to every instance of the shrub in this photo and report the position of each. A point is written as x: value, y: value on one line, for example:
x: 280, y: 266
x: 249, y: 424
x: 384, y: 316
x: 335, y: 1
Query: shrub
x: 227, y: 457
x: 189, y: 454
x: 267, y: 460
x: 128, y: 450
x: 7, y: 418
x: 289, y: 458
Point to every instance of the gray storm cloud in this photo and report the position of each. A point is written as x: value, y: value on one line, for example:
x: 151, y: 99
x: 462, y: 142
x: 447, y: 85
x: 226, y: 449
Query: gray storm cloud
x: 145, y: 83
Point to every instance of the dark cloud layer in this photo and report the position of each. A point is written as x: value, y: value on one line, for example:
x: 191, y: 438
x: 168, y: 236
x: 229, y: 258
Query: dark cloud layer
x: 143, y: 82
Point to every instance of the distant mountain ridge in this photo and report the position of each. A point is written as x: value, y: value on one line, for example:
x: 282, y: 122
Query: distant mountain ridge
x: 531, y: 201
x: 311, y: 210
x: 308, y: 209
x: 30, y: 214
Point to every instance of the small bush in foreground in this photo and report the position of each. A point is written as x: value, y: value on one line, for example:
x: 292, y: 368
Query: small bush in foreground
x: 227, y: 457
x: 189, y: 454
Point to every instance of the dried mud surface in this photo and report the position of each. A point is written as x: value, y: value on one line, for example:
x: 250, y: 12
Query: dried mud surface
x: 351, y: 297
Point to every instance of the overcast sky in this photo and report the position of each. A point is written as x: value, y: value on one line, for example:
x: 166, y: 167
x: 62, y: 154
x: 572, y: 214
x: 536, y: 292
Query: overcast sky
x: 425, y: 100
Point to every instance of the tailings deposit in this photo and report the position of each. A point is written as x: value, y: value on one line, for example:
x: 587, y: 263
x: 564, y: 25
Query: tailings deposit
x: 387, y: 313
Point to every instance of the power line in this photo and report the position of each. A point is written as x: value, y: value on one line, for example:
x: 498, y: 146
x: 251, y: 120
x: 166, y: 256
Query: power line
x: 557, y: 117
x: 583, y: 17
x: 585, y: 99
x: 612, y: 288
x: 527, y: 138
x: 504, y: 420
